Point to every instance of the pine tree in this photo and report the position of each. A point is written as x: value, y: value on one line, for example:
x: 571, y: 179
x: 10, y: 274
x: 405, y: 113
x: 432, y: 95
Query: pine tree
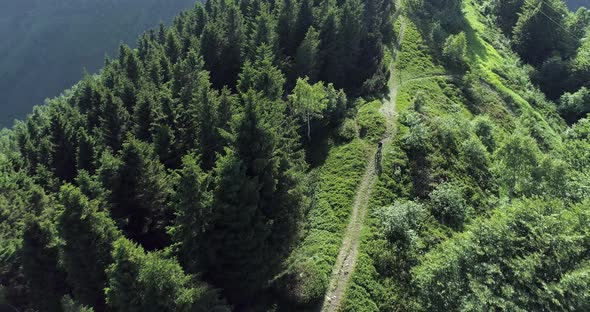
x: 262, y: 31
x: 150, y: 282
x: 63, y: 142
x: 44, y: 275
x: 192, y: 203
x: 203, y: 108
x: 113, y: 122
x: 139, y: 189
x: 236, y: 246
x: 173, y: 47
x: 85, y: 156
x: 328, y: 46
x: 145, y: 115
x: 262, y: 75
x: 303, y: 21
x: 286, y: 22
x: 255, y: 201
x: 88, y: 235
x: 306, y: 61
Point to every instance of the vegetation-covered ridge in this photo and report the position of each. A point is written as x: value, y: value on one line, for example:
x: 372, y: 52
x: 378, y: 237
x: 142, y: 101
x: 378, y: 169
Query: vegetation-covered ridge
x: 243, y: 159
x: 198, y: 171
x: 480, y: 205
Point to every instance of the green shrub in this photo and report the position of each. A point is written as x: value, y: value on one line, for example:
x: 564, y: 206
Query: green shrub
x: 371, y: 122
x: 448, y: 205
x: 400, y: 221
x: 484, y: 128
x: 347, y: 131
x: 455, y: 51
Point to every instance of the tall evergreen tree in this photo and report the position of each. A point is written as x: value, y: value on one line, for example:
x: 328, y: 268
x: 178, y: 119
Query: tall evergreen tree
x: 306, y: 60
x: 262, y: 75
x: 150, y: 282
x: 45, y: 277
x: 113, y: 122
x: 303, y: 21
x: 240, y: 250
x: 192, y: 204
x: 286, y: 22
x: 88, y: 235
x: 139, y: 190
x: 328, y: 46
x: 63, y: 142
x: 262, y: 31
x: 349, y: 45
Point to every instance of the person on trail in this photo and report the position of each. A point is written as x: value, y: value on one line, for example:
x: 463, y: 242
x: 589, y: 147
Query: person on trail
x: 378, y: 157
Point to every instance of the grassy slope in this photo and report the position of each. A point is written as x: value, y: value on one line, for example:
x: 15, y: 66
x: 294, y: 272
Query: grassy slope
x: 336, y: 184
x: 513, y: 95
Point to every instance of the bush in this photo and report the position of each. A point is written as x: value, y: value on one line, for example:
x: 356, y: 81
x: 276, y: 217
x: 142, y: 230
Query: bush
x: 455, y: 51
x: 573, y: 106
x: 400, y: 221
x: 484, y: 128
x: 347, y: 131
x: 371, y: 121
x: 448, y: 205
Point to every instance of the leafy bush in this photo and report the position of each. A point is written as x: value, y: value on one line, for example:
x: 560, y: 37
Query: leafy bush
x: 448, y: 205
x: 371, y: 121
x: 455, y: 51
x: 530, y: 256
x: 347, y: 130
x: 400, y: 221
x: 484, y: 128
x: 573, y: 106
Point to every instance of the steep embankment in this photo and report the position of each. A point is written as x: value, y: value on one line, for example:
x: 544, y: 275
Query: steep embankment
x: 448, y: 119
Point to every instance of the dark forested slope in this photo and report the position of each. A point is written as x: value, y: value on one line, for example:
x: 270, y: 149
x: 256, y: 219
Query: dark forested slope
x: 176, y: 178
x: 46, y: 45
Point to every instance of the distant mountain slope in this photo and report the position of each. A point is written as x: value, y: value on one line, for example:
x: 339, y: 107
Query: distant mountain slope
x: 46, y: 45
x: 576, y: 4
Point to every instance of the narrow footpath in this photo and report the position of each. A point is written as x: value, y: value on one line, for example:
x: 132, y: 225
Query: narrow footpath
x: 347, y: 257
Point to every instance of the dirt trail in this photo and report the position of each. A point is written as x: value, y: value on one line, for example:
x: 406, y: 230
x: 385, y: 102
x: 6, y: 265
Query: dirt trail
x: 347, y: 257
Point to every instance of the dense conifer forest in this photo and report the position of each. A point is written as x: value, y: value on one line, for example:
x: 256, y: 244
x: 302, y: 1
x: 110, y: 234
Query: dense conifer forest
x: 307, y: 155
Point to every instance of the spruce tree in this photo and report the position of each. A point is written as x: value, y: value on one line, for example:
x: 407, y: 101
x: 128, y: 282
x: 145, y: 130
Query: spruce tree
x: 88, y: 235
x: 192, y: 204
x: 140, y: 281
x: 45, y: 277
x: 262, y: 31
x: 256, y: 202
x: 306, y: 61
x: 113, y: 122
x: 139, y: 190
x: 262, y: 75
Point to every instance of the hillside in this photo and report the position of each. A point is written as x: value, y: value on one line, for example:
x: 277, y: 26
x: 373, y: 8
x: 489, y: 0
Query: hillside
x: 45, y: 46
x: 376, y: 155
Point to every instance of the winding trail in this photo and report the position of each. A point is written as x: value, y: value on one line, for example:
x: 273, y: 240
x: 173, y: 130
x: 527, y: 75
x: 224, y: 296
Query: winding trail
x: 347, y: 257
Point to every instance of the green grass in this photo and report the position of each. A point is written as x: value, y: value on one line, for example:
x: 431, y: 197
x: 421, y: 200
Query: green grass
x: 371, y: 122
x: 310, y: 265
x: 414, y: 59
